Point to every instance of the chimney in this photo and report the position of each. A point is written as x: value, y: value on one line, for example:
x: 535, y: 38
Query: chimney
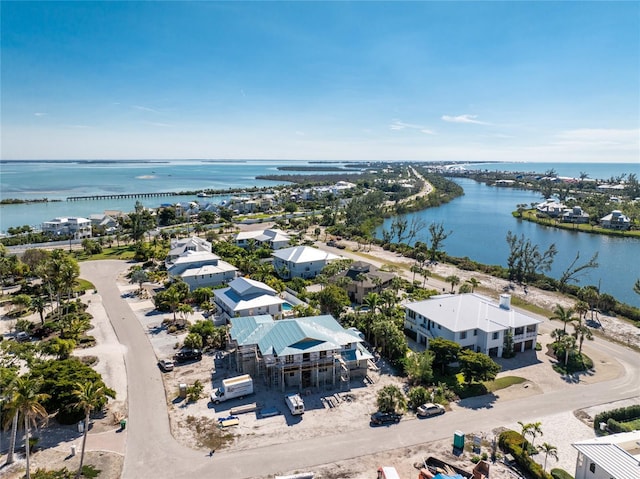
x: 505, y: 301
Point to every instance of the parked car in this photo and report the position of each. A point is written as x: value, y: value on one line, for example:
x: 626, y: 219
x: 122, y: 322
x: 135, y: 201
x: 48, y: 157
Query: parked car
x: 430, y: 409
x: 331, y: 243
x: 166, y: 365
x: 22, y: 337
x: 340, y: 246
x: 185, y: 355
x: 380, y: 418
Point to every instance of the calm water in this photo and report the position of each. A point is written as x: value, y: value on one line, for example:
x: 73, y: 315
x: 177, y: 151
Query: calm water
x: 481, y: 218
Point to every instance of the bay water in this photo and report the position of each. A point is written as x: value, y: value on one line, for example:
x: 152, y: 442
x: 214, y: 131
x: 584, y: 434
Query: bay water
x: 479, y: 220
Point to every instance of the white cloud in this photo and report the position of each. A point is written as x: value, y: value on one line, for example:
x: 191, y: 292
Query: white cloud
x: 39, y: 113
x: 464, y: 119
x: 144, y: 108
x: 400, y: 125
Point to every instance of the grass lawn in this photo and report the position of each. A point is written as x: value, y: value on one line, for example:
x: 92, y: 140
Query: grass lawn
x: 123, y: 252
x: 478, y: 389
x: 83, y: 285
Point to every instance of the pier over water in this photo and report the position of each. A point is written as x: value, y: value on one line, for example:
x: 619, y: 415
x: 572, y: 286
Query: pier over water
x: 122, y: 196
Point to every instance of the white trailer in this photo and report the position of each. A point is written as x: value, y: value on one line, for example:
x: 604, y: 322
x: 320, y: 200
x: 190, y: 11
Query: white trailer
x: 231, y: 388
x: 295, y: 404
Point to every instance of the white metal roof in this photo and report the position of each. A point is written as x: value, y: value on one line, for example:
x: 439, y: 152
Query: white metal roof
x: 304, y: 254
x: 612, y: 454
x: 462, y: 312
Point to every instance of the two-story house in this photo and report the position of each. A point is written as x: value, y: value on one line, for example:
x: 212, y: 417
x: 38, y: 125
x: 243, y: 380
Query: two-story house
x: 300, y: 261
x: 616, y: 221
x: 298, y: 353
x: 201, y: 269
x: 78, y: 228
x: 247, y: 297
x: 473, y: 321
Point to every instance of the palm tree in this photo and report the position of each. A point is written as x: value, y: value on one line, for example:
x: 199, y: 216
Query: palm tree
x: 27, y: 400
x: 581, y: 332
x: 581, y: 308
x: 89, y: 396
x: 564, y: 315
x: 525, y: 428
x: 391, y: 399
x: 474, y: 283
x: 636, y: 287
x: 567, y: 343
x: 174, y: 299
x: 548, y: 450
x: 453, y: 280
x: 12, y: 414
x: 535, y: 431
x: 39, y: 304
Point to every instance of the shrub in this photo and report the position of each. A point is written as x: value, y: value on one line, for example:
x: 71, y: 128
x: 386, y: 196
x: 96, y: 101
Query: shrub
x: 511, y: 442
x: 615, y: 417
x: 560, y: 474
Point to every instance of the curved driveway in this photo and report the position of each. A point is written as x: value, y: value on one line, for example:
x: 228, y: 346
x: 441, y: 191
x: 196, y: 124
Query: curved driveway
x: 153, y: 452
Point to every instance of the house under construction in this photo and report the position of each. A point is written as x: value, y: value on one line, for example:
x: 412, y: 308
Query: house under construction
x: 313, y: 352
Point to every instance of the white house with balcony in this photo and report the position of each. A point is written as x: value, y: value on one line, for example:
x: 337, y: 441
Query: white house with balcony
x: 180, y: 246
x: 614, y: 456
x: 79, y: 228
x: 200, y: 269
x: 301, y: 261
x: 473, y: 321
x: 247, y: 297
x: 616, y: 220
x: 298, y: 353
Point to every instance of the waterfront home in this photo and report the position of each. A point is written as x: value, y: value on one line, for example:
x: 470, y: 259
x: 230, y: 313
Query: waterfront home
x: 473, y: 321
x: 271, y: 238
x: 606, y: 457
x: 79, y: 228
x: 575, y: 215
x: 201, y: 269
x: 179, y: 246
x: 312, y: 352
x: 616, y: 221
x: 551, y: 207
x: 247, y: 297
x: 301, y: 261
x: 365, y: 278
x: 103, y: 223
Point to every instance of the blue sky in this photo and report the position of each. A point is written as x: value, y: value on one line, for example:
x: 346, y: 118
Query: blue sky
x: 509, y: 81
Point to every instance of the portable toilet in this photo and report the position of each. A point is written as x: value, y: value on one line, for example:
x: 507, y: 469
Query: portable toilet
x: 458, y: 440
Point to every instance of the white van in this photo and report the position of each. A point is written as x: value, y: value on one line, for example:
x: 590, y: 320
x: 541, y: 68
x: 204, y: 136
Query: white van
x: 295, y: 404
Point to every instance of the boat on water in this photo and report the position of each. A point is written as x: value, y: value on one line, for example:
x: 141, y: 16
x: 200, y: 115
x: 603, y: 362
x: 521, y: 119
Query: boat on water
x: 202, y: 194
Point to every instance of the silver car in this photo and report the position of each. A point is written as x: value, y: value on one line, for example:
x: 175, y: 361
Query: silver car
x: 430, y: 409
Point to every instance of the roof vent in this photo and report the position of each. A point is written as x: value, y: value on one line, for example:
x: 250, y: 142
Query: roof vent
x: 505, y: 301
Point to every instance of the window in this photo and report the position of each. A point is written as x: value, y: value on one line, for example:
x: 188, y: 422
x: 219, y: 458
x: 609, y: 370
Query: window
x: 306, y: 356
x: 463, y: 335
x: 518, y: 331
x: 288, y: 359
x: 592, y: 467
x: 475, y: 332
x: 531, y: 329
x: 496, y: 335
x: 323, y: 354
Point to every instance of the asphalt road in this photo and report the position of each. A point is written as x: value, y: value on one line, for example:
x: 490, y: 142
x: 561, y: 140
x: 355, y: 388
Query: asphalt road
x: 151, y: 451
